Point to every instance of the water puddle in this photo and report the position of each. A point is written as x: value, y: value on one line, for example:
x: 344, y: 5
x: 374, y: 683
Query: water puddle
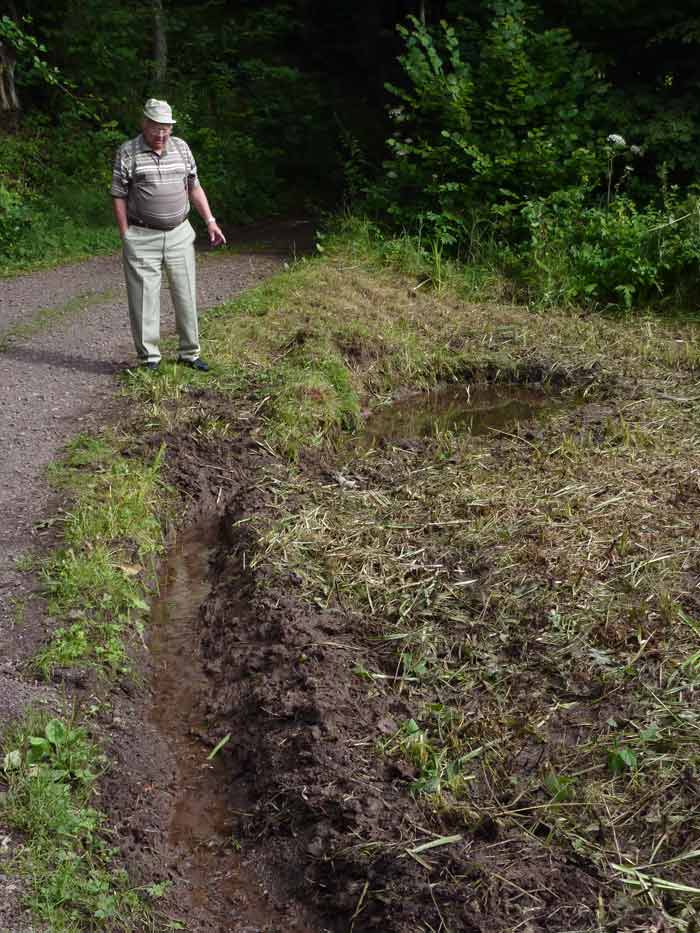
x: 461, y: 409
x: 222, y: 892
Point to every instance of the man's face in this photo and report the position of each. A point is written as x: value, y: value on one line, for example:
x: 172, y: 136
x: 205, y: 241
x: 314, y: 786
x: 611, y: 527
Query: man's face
x: 156, y: 134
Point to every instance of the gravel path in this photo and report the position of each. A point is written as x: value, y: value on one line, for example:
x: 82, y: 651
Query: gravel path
x: 64, y: 337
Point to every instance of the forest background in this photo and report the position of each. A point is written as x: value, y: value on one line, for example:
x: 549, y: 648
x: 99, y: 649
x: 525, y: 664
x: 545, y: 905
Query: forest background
x: 551, y: 144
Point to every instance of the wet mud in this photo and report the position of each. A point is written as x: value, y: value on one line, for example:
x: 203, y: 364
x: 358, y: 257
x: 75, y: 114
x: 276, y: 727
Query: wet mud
x: 222, y: 892
x: 177, y: 815
x: 199, y: 837
x: 297, y: 823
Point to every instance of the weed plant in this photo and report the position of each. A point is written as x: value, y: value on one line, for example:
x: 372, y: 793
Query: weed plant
x: 50, y: 768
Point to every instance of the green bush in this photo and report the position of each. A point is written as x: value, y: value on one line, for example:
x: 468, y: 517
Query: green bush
x: 239, y: 177
x: 617, y: 254
x: 501, y: 140
x: 488, y: 119
x: 54, y: 200
x: 14, y: 215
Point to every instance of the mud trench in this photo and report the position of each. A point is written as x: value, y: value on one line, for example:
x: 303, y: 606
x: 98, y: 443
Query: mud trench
x: 221, y: 891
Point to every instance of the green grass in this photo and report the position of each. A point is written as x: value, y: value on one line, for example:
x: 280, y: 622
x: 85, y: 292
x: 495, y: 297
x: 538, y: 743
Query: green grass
x: 50, y: 768
x: 317, y: 342
x: 111, y: 538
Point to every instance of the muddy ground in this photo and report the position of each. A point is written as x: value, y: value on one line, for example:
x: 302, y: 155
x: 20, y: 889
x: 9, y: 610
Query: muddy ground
x: 327, y: 836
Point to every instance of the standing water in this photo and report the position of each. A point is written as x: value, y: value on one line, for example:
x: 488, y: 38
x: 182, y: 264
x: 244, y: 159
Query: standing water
x: 462, y: 409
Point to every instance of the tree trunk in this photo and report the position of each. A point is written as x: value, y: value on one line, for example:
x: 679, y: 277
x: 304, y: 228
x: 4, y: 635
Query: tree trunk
x: 160, y: 43
x: 9, y: 101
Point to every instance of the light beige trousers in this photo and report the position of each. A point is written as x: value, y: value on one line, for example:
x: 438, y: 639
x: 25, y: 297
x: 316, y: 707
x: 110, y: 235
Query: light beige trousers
x: 145, y: 253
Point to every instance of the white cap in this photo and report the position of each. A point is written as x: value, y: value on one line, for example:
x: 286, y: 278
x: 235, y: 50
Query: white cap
x: 159, y: 111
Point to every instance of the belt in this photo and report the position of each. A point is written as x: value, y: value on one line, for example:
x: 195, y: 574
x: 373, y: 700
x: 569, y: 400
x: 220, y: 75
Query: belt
x: 140, y: 223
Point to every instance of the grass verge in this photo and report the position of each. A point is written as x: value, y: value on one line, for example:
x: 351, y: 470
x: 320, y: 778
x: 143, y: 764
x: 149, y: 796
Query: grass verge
x: 111, y: 535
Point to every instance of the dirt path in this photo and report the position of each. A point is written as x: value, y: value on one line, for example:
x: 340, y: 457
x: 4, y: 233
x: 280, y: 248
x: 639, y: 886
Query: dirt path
x: 64, y: 339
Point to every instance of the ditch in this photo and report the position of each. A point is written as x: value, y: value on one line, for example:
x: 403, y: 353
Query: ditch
x: 222, y: 891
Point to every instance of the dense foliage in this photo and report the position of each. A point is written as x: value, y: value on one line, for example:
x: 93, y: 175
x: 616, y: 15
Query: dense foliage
x: 506, y: 138
x: 554, y: 141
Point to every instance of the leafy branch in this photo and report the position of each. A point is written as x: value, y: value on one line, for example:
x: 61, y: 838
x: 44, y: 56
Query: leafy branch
x: 32, y: 52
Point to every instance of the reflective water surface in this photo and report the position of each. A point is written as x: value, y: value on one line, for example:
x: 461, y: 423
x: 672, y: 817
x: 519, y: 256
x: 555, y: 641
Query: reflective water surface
x: 464, y: 409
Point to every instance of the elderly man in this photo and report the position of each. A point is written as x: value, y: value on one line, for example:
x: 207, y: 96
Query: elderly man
x: 153, y: 184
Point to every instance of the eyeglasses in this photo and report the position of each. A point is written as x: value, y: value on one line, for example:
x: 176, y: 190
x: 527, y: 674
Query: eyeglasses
x: 158, y: 129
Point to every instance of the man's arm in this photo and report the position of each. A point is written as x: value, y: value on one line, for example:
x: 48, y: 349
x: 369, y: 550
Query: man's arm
x: 199, y: 199
x: 119, y: 206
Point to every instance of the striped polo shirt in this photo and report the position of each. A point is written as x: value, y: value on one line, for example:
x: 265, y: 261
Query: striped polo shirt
x: 156, y: 187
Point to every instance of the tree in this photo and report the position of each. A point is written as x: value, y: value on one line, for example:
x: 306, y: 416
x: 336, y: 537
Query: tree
x: 9, y: 99
x: 160, y: 43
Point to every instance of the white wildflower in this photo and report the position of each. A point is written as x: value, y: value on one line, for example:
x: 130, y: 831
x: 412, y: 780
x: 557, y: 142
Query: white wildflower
x: 636, y: 150
x: 616, y: 140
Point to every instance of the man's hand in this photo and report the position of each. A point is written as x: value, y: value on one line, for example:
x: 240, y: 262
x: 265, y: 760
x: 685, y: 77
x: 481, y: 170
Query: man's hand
x: 199, y: 199
x: 216, y: 237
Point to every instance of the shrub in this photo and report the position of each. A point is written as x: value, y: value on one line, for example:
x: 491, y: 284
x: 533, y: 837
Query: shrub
x: 14, y: 215
x: 488, y: 119
x: 499, y: 140
x: 619, y: 254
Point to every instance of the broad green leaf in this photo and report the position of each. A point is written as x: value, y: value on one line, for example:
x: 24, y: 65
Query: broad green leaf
x: 621, y: 759
x: 55, y: 732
